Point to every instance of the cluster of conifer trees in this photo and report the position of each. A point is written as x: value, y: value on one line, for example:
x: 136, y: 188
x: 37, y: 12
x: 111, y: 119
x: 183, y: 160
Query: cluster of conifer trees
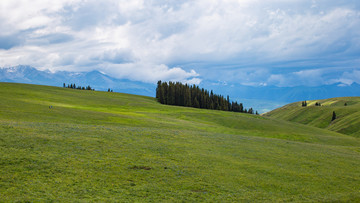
x: 176, y: 93
x: 304, y: 104
x: 73, y: 86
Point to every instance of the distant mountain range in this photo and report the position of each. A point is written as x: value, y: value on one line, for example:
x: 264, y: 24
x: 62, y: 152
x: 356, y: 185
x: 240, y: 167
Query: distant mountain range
x: 289, y: 94
x: 262, y: 98
x: 96, y: 79
x: 266, y: 98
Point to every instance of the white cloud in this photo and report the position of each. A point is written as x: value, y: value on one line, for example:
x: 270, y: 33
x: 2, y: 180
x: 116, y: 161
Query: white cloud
x: 18, y: 15
x: 151, y: 72
x: 349, y: 77
x: 314, y: 77
x: 139, y: 39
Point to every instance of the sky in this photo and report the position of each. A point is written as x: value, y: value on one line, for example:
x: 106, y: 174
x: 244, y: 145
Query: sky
x: 281, y: 43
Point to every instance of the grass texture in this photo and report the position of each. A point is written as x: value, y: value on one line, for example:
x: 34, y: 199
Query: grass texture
x: 108, y: 147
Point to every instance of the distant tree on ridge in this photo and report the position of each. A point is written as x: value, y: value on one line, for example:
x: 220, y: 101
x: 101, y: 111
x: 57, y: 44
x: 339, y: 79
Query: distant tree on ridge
x: 333, y: 116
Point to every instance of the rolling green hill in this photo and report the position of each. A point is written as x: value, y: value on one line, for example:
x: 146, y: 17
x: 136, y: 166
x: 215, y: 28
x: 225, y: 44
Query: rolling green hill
x: 100, y: 146
x: 348, y: 116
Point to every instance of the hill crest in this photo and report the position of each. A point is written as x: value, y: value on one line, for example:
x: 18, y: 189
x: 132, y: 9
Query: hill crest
x: 347, y: 110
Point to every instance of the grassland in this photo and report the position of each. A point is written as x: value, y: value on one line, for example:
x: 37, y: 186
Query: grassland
x: 348, y: 116
x: 100, y: 146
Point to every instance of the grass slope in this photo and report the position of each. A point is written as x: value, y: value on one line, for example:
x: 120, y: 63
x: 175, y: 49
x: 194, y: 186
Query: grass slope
x: 100, y: 146
x: 348, y: 117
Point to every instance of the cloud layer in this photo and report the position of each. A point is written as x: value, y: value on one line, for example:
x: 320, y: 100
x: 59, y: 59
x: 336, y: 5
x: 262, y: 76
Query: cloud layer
x: 255, y: 42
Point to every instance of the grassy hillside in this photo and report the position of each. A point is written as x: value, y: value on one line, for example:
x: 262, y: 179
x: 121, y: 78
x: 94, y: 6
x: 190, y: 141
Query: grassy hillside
x: 100, y: 146
x: 348, y: 117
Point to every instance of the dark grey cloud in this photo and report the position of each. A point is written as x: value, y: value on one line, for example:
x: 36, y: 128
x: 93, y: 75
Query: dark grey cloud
x: 50, y: 39
x: 116, y: 56
x: 57, y: 38
x: 8, y: 42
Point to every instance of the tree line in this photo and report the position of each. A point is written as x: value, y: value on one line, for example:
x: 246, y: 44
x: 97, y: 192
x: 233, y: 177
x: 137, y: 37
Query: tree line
x: 73, y: 86
x: 176, y: 93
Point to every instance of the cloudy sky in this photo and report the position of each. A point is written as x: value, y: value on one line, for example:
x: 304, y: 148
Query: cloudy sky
x: 247, y: 42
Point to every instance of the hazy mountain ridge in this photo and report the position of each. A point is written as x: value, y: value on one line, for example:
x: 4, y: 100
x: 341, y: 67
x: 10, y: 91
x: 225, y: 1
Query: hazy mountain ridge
x: 289, y: 94
x: 96, y: 79
x: 266, y: 98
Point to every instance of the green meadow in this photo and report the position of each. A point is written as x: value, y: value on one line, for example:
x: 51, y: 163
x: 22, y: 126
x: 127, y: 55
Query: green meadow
x: 105, y: 147
x: 347, y: 110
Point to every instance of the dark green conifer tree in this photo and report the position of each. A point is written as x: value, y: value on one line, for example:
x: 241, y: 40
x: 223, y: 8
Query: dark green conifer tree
x: 187, y: 96
x: 241, y: 108
x: 304, y: 103
x: 196, y: 103
x: 333, y: 116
